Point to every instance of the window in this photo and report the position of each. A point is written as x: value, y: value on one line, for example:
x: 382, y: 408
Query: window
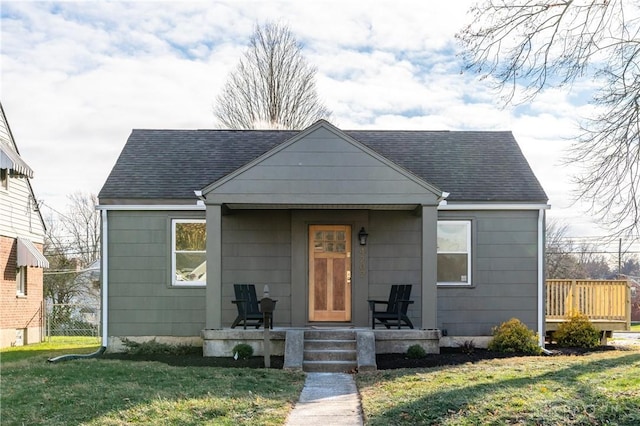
x: 454, y: 252
x: 4, y: 179
x: 21, y: 281
x: 188, y: 252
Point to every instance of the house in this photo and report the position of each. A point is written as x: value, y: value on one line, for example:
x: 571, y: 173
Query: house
x: 21, y: 239
x: 459, y: 215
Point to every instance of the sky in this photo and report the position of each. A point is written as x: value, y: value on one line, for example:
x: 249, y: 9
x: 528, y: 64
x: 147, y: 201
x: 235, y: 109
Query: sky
x: 77, y: 77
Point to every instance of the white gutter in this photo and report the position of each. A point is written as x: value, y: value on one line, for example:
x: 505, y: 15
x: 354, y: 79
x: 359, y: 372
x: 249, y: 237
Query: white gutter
x: 492, y: 206
x: 105, y: 279
x: 148, y: 207
x: 541, y: 283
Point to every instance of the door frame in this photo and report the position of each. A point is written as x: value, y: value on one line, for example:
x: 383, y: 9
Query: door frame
x: 330, y: 315
x: 300, y: 221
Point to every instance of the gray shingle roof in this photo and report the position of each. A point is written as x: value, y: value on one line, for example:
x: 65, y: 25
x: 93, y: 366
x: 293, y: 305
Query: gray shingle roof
x: 472, y: 166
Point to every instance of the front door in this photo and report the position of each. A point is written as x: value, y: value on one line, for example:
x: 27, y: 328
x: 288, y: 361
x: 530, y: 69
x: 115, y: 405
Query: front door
x: 330, y: 273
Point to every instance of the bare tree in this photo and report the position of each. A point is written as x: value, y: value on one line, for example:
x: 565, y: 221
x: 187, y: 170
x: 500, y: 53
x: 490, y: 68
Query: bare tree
x: 273, y: 85
x: 559, y: 260
x: 528, y: 45
x: 82, y: 224
x: 72, y: 244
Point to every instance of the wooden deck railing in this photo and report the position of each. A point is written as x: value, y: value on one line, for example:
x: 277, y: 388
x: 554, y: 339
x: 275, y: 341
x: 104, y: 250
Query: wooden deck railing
x: 600, y: 300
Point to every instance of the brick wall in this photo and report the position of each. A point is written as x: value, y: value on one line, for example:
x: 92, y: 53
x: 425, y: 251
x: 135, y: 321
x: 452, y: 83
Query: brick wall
x: 19, y: 312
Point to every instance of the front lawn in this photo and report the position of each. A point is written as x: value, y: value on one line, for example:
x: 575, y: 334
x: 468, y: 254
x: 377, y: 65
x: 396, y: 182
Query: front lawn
x: 121, y: 392
x: 598, y: 388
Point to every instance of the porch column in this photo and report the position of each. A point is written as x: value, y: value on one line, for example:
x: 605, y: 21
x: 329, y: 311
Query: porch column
x: 429, y: 267
x: 214, y: 268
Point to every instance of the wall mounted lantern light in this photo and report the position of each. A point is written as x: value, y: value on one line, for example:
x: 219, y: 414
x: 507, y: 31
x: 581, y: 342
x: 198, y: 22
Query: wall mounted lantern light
x: 362, y: 236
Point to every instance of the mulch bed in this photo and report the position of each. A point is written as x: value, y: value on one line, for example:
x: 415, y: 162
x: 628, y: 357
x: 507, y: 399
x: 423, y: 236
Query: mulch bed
x: 456, y: 356
x: 447, y: 356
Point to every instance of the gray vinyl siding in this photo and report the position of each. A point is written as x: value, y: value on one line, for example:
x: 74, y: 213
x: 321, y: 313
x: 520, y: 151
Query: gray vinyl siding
x: 395, y: 250
x: 504, y: 274
x: 256, y: 249
x: 142, y: 301
x: 322, y: 168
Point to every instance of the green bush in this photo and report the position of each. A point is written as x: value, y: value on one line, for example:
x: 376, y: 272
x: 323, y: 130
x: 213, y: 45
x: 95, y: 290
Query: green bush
x: 467, y: 347
x: 243, y: 350
x: 152, y: 347
x: 415, y: 352
x: 514, y: 336
x: 577, y: 332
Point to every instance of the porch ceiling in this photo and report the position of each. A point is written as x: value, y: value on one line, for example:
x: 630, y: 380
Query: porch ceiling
x: 249, y: 206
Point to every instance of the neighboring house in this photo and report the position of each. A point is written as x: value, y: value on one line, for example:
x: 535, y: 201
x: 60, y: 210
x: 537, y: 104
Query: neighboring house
x: 21, y: 239
x: 460, y: 215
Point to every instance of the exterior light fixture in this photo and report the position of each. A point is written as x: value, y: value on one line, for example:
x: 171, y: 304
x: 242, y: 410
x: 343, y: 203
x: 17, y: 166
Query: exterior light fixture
x: 362, y: 236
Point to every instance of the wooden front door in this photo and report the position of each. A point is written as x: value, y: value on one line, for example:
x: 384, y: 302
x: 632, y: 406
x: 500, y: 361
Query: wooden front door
x: 330, y: 273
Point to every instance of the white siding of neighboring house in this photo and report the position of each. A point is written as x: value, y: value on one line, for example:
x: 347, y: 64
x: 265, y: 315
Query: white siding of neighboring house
x: 18, y: 214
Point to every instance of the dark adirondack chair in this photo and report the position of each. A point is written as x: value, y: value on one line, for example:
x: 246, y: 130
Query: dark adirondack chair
x: 248, y: 306
x: 395, y: 313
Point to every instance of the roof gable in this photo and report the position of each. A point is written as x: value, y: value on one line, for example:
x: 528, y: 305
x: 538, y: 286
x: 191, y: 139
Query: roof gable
x: 321, y: 165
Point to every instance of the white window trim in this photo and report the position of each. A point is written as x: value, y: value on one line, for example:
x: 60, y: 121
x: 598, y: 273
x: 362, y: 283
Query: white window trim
x: 469, y: 281
x: 175, y: 282
x: 21, y: 281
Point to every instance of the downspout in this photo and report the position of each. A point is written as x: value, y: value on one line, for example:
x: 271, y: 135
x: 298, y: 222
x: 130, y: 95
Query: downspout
x: 541, y: 304
x: 105, y: 279
x: 105, y: 293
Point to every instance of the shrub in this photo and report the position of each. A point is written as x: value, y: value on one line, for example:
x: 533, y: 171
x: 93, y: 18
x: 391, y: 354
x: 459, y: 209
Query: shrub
x: 468, y: 347
x: 577, y: 332
x: 152, y: 347
x: 243, y: 350
x: 514, y: 336
x: 415, y: 352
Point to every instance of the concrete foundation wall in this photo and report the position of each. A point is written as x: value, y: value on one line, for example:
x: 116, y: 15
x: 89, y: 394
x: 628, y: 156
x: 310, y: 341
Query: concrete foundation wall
x: 398, y: 341
x: 221, y: 342
x: 115, y: 343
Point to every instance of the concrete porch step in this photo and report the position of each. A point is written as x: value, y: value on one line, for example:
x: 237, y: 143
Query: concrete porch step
x: 330, y: 351
x: 329, y: 367
x: 343, y: 345
x: 330, y: 334
x: 330, y: 355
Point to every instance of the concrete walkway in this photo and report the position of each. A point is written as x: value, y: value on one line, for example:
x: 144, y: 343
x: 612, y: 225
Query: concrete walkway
x: 327, y: 399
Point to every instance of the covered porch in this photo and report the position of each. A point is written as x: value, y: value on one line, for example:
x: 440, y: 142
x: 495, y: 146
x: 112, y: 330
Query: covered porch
x: 290, y: 220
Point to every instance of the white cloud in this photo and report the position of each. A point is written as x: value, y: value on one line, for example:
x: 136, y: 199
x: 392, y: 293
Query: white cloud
x: 77, y: 77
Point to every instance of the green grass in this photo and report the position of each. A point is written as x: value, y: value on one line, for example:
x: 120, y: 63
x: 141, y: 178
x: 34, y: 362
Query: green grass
x: 56, y: 345
x: 121, y: 392
x: 635, y: 327
x: 599, y: 388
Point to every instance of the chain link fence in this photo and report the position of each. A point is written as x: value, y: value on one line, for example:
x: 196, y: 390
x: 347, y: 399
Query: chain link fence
x: 72, y: 320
